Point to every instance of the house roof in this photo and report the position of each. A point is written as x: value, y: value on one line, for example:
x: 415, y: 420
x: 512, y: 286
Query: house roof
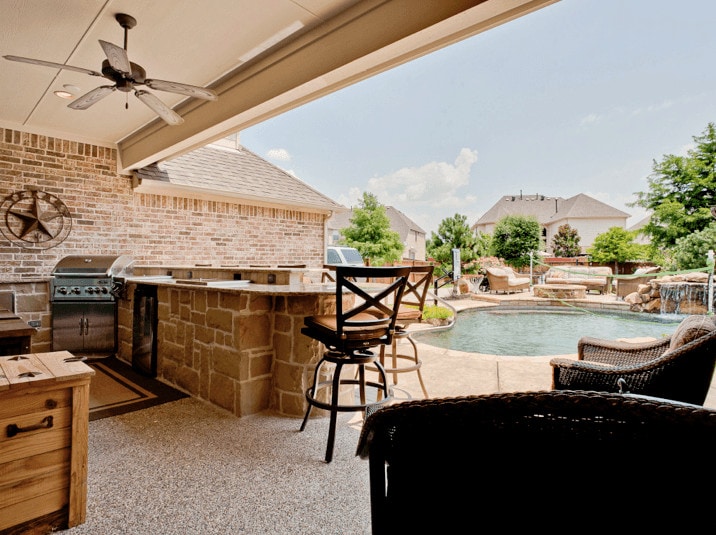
x: 549, y: 209
x: 399, y: 222
x: 232, y: 172
x: 639, y: 225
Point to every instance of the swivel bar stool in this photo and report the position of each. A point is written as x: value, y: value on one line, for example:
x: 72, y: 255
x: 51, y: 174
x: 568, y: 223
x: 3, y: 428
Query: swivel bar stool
x: 348, y: 336
x: 411, y: 311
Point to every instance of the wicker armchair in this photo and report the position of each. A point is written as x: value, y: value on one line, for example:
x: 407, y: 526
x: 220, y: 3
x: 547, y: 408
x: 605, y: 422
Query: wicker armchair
x: 456, y: 463
x: 679, y: 367
x: 506, y: 280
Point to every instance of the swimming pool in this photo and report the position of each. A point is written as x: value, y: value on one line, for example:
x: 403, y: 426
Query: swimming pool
x: 536, y: 332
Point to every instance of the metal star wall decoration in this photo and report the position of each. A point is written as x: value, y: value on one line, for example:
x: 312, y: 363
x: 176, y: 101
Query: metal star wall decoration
x: 35, y: 219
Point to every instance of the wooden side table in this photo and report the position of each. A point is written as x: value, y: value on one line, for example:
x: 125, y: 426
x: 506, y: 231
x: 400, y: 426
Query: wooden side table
x: 44, y: 424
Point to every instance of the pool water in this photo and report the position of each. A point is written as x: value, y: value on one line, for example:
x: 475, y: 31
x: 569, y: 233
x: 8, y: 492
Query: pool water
x: 530, y: 332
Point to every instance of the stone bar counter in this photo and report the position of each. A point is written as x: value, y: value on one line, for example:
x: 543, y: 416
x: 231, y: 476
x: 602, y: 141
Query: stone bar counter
x: 234, y: 343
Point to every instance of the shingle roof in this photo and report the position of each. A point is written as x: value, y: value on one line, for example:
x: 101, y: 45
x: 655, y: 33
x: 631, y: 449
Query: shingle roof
x: 549, y: 209
x: 240, y: 173
x: 399, y: 222
x: 583, y: 206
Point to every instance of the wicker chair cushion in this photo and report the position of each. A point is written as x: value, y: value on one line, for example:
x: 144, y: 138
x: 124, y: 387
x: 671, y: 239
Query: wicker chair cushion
x: 690, y: 329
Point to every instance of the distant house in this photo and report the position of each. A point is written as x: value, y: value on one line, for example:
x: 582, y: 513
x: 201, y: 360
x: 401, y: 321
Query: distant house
x: 588, y: 216
x: 412, y: 236
x: 639, y: 227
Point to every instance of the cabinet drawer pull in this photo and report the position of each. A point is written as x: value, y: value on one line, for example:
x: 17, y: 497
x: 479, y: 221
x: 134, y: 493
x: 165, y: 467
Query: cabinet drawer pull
x: 14, y: 429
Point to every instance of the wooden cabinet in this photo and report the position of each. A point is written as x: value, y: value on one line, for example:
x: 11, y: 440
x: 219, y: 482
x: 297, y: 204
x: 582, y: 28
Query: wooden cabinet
x: 15, y: 334
x: 44, y: 423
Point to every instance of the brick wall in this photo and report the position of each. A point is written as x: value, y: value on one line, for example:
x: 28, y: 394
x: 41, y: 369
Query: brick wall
x: 108, y: 217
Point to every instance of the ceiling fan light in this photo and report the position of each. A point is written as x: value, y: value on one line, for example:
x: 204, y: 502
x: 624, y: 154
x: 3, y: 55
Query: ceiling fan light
x: 64, y: 94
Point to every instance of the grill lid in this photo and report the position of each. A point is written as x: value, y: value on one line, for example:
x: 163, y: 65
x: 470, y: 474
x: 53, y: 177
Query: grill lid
x: 93, y: 265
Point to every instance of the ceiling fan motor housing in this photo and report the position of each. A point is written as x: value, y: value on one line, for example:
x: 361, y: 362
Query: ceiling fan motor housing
x: 124, y: 83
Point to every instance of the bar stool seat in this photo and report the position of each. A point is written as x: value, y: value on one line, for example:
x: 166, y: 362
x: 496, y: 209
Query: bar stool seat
x: 348, y: 336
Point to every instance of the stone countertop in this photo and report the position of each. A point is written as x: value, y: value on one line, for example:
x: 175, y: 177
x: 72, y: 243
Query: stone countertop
x: 240, y: 286
x: 14, y: 279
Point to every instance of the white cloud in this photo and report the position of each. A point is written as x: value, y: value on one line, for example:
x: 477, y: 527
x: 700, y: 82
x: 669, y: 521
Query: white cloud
x: 592, y: 118
x: 281, y: 155
x: 618, y: 111
x: 426, y: 194
x: 352, y: 198
x: 666, y: 104
x: 684, y: 149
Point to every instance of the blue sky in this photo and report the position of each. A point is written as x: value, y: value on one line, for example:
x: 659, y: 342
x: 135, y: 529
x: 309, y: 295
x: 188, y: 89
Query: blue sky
x: 579, y: 97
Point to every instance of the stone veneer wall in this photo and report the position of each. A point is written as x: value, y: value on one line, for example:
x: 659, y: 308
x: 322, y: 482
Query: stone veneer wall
x: 241, y: 351
x: 109, y: 218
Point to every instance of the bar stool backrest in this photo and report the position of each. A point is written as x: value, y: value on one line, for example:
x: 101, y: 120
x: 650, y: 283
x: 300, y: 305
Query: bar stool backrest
x: 370, y: 320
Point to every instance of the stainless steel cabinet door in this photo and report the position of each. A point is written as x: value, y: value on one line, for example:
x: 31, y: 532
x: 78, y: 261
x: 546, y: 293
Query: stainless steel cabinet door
x: 84, y: 326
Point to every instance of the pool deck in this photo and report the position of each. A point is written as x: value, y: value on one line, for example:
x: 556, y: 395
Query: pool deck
x: 448, y: 372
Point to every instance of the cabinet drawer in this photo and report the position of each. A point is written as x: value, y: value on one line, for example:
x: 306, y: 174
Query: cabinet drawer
x: 29, y: 441
x: 34, y: 402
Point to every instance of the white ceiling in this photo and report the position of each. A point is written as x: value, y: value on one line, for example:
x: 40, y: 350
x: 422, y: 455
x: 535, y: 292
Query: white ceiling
x: 262, y: 57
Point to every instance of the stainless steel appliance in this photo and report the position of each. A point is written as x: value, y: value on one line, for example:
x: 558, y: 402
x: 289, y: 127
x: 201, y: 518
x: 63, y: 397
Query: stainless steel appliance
x: 83, y: 295
x: 144, y: 331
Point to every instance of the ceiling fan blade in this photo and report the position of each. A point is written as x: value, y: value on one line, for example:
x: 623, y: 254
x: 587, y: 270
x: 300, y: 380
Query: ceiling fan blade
x: 182, y: 89
x: 161, y: 109
x: 53, y: 65
x: 117, y: 57
x: 86, y: 100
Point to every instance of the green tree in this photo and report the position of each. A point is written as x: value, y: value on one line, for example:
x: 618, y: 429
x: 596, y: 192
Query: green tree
x: 682, y: 190
x: 514, y: 237
x: 691, y: 251
x: 566, y: 242
x: 453, y: 233
x: 615, y: 245
x: 370, y: 233
x: 483, y: 244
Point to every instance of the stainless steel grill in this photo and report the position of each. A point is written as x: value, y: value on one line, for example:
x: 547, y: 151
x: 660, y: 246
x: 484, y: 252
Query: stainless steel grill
x: 89, y: 278
x: 83, y: 297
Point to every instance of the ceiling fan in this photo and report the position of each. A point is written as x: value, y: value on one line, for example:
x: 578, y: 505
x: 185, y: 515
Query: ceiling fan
x: 126, y: 75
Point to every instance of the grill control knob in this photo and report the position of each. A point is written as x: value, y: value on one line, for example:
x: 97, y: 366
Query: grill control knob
x: 104, y: 290
x: 75, y: 290
x: 62, y: 290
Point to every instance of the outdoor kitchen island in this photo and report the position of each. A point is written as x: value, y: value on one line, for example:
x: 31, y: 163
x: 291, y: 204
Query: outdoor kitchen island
x: 223, y: 338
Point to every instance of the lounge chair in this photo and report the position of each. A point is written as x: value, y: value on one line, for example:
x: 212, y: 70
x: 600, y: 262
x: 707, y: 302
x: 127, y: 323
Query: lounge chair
x: 505, y: 280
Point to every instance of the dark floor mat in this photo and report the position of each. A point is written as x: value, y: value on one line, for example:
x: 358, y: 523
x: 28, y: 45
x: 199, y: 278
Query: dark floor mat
x: 116, y: 389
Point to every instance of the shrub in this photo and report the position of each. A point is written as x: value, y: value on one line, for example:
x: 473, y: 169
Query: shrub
x: 436, y: 312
